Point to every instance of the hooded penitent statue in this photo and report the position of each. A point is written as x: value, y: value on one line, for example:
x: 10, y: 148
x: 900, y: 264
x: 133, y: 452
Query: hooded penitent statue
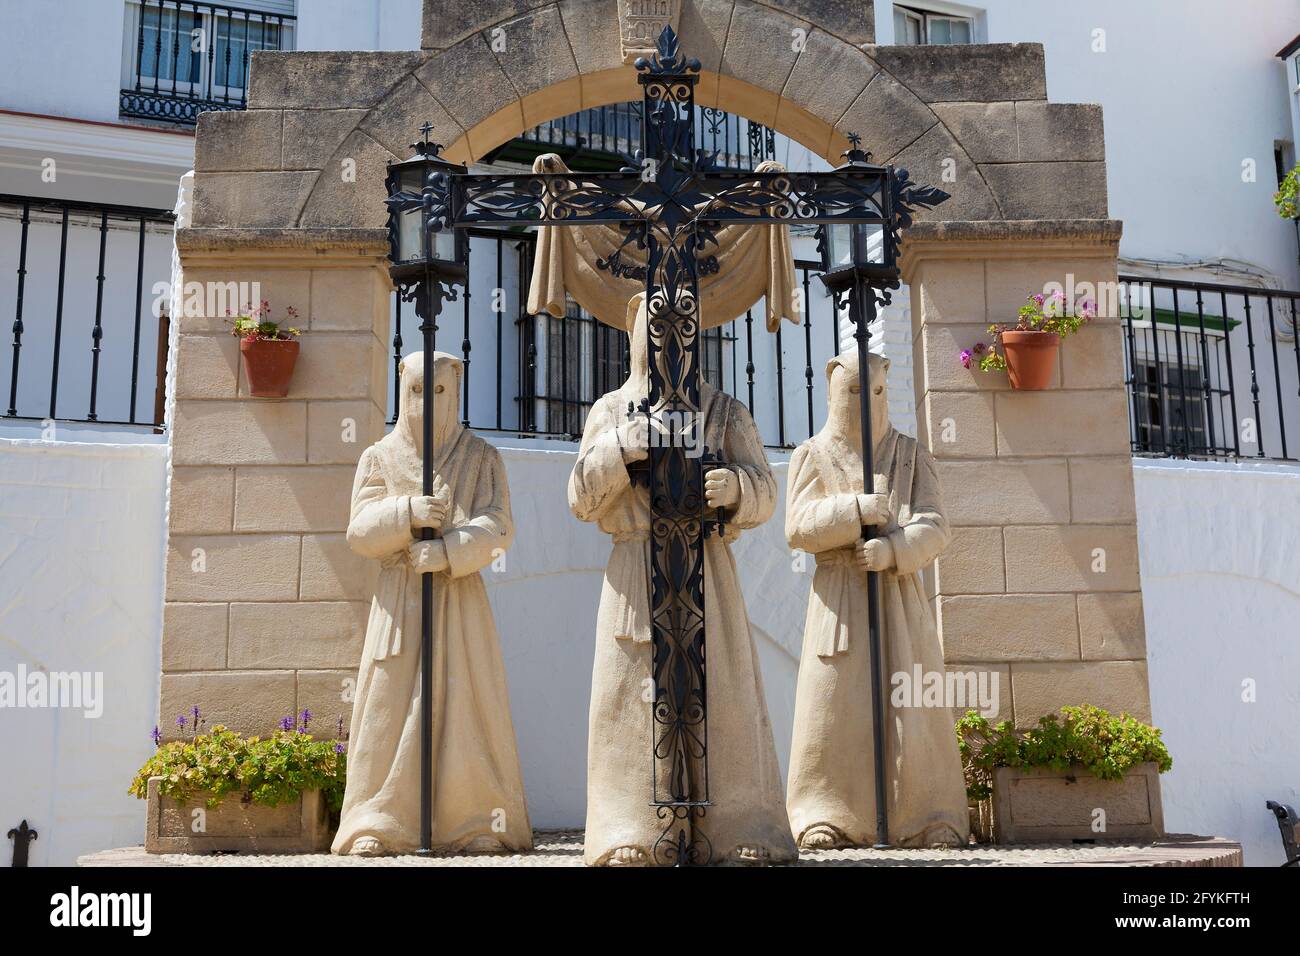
x: 831, y: 793
x: 747, y: 821
x: 478, y: 792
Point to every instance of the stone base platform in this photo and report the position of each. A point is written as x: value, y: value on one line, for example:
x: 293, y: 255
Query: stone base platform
x: 564, y: 848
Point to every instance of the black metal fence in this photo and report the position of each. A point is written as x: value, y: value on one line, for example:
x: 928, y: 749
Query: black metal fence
x: 1213, y: 370
x: 604, y: 136
x: 85, y: 343
x: 189, y: 57
x: 544, y: 373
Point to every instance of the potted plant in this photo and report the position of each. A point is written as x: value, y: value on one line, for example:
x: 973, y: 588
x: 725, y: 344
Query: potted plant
x: 221, y: 792
x: 1027, y: 350
x: 1085, y: 775
x: 269, y: 351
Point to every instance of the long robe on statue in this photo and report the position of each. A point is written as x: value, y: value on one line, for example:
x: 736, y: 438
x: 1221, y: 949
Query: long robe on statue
x: 478, y: 792
x: 832, y: 776
x: 597, y: 265
x: 744, y: 777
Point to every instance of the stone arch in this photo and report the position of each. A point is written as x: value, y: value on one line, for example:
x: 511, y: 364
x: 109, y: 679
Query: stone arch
x: 972, y: 119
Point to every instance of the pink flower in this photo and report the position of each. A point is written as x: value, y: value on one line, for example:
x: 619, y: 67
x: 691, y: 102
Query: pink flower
x: 966, y: 358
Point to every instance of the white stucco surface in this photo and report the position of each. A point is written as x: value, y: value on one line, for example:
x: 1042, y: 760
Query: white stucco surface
x: 1221, y: 587
x: 81, y: 561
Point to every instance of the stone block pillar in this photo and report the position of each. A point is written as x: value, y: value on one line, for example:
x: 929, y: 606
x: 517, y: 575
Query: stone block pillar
x: 1041, y: 581
x: 265, y: 605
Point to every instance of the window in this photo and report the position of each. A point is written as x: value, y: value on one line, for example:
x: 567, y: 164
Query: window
x: 180, y: 57
x: 1171, y: 418
x: 913, y: 27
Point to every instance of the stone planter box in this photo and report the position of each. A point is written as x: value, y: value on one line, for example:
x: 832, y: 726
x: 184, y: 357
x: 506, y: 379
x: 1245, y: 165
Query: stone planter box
x: 236, y: 827
x: 1049, y: 806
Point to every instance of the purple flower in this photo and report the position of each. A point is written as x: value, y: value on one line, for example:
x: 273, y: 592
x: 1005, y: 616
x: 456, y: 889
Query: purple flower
x: 966, y: 358
x: 980, y: 348
x: 286, y: 723
x: 156, y: 735
x: 339, y: 748
x: 305, y: 719
x: 180, y: 721
x: 1038, y: 298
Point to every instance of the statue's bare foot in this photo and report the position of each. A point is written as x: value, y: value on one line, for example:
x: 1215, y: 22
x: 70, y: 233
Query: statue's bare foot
x: 484, y: 844
x: 751, y: 855
x: 821, y: 837
x: 367, y: 846
x: 627, y: 856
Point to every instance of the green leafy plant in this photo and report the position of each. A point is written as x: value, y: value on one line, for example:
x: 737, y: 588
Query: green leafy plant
x: 256, y: 324
x: 1040, y: 313
x: 267, y: 770
x: 1287, y: 197
x: 1099, y: 742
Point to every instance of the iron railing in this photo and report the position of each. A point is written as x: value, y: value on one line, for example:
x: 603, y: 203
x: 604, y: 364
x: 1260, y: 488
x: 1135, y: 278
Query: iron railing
x: 85, y: 344
x: 1213, y: 371
x: 605, y: 136
x: 544, y: 373
x: 189, y: 57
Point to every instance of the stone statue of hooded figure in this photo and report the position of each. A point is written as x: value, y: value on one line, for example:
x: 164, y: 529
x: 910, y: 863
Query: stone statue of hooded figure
x: 831, y: 791
x: 747, y: 822
x: 478, y: 793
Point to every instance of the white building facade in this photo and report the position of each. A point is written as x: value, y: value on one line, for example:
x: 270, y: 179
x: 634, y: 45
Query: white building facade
x: 90, y: 159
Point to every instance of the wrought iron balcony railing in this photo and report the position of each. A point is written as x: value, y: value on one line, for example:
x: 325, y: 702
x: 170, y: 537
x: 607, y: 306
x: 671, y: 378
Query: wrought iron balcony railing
x: 603, y: 138
x: 1213, y: 370
x: 78, y: 291
x: 189, y: 57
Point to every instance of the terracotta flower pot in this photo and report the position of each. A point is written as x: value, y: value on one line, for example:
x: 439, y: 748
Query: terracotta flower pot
x: 268, y: 365
x: 1031, y: 356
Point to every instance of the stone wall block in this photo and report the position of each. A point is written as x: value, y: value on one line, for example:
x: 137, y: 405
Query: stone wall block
x: 241, y: 567
x: 246, y: 701
x: 316, y: 498
x: 250, y: 432
x: 303, y: 634
x: 1071, y: 558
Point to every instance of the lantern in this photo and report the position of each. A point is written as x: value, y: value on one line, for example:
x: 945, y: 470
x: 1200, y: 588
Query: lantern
x: 421, y: 242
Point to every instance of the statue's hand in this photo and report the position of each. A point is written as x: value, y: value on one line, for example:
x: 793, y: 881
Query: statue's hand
x: 428, y: 556
x: 634, y: 439
x: 874, y: 509
x: 429, y: 511
x: 877, y: 554
x: 721, y: 488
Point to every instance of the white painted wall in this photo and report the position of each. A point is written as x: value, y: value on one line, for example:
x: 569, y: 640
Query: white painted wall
x: 1221, y: 587
x: 1191, y: 89
x: 81, y: 570
x: 359, y: 24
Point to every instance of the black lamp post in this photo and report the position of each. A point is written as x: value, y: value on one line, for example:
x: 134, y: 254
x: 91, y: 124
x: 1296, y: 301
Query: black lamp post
x: 428, y: 257
x: 859, y: 263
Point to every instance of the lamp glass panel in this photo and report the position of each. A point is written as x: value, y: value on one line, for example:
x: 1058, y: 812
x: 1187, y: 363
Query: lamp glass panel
x: 444, y: 245
x: 410, y: 222
x: 839, y: 244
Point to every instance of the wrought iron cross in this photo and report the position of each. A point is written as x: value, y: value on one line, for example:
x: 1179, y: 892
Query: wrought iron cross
x: 670, y: 202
